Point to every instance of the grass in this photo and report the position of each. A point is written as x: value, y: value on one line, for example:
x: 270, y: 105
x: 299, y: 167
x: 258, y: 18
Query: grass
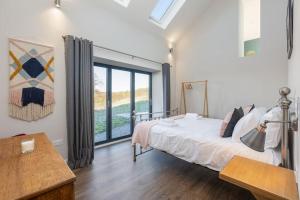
x: 119, y: 117
x: 121, y: 110
x: 119, y: 98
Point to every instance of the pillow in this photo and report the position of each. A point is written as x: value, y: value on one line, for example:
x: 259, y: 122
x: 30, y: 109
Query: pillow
x: 247, y: 123
x: 225, y: 123
x: 273, y: 131
x: 248, y: 109
x: 236, y: 116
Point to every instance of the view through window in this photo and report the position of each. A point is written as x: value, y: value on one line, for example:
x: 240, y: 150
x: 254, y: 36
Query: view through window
x: 118, y: 92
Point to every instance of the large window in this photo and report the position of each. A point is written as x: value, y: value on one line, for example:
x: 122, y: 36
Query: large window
x: 142, y: 93
x: 100, y: 103
x: 119, y: 92
x: 249, y: 27
x: 121, y: 102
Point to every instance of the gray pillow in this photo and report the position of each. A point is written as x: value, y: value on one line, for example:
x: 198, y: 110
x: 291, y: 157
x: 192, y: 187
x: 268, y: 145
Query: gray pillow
x: 236, y: 116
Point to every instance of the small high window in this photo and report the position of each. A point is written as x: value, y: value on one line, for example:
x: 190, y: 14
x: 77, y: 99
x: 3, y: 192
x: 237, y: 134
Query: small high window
x: 249, y: 27
x: 164, y: 11
x: 124, y: 3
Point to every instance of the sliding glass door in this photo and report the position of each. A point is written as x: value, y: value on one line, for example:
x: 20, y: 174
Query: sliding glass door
x: 100, y: 104
x: 121, y: 103
x: 142, y: 94
x: 119, y: 92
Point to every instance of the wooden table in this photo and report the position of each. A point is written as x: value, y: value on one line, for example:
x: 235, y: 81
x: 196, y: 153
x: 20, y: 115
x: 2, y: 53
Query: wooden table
x: 263, y: 180
x: 42, y: 174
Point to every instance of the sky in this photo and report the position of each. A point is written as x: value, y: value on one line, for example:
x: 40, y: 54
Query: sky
x: 120, y: 80
x: 160, y: 9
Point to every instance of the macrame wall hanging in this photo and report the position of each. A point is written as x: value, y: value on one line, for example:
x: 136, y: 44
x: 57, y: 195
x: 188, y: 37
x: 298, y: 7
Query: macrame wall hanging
x: 31, y: 95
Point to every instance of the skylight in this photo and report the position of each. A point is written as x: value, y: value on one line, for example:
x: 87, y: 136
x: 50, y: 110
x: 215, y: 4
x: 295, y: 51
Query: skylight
x: 164, y: 11
x: 160, y: 9
x: 124, y: 3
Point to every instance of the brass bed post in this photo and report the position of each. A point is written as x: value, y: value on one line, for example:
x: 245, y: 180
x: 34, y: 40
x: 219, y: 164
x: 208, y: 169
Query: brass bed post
x: 285, y: 103
x: 183, y: 94
x: 205, y: 109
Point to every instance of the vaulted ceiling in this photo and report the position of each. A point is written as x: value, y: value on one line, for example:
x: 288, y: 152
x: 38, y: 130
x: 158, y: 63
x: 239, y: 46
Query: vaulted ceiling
x: 138, y: 11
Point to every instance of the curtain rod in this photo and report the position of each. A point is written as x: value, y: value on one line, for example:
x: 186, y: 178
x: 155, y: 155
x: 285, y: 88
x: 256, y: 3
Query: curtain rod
x: 127, y: 54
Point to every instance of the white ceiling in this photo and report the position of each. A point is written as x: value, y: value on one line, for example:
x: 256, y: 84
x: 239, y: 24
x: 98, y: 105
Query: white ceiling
x: 138, y: 11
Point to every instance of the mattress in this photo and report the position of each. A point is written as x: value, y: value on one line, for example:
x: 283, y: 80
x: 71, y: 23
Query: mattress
x: 198, y: 141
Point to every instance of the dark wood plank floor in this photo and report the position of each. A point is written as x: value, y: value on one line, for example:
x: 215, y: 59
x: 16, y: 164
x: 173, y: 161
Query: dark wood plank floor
x: 155, y: 176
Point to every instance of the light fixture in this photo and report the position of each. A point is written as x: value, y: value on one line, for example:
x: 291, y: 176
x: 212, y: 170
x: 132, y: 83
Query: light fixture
x: 57, y: 3
x: 255, y: 139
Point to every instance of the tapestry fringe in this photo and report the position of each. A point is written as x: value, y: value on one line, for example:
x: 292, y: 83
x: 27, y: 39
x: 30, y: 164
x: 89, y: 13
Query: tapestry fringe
x: 31, y: 112
x: 15, y: 97
x: 48, y: 98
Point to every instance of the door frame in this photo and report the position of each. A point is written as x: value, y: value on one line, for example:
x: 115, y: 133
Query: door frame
x: 109, y: 98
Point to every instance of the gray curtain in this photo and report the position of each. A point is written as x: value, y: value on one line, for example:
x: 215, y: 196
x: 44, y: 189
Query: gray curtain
x: 166, y: 88
x: 80, y: 96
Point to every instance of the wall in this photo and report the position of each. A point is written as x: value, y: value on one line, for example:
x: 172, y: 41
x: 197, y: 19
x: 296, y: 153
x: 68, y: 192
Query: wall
x: 210, y: 50
x: 294, y: 81
x: 294, y: 62
x: 39, y: 21
x: 249, y: 22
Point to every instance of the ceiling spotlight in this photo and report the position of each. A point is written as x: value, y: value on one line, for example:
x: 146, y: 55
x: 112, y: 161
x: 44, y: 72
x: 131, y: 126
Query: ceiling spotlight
x: 57, y: 3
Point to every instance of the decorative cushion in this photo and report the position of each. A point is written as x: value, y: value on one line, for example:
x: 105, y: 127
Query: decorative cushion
x: 225, y: 123
x: 273, y: 131
x: 236, y: 116
x: 248, y: 109
x: 247, y: 123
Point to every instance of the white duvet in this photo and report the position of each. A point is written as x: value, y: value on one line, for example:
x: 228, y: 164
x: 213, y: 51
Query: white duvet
x: 198, y: 141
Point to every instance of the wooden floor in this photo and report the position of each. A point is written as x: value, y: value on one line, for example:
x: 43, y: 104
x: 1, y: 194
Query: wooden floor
x: 154, y: 176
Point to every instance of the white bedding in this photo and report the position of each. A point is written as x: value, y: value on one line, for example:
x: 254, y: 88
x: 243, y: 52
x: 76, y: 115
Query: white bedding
x: 198, y: 141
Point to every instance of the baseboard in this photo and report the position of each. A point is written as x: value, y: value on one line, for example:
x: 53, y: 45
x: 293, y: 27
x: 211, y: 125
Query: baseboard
x: 111, y: 143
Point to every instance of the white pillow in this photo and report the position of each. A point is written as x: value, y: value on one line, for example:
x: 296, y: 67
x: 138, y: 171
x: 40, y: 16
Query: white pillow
x: 273, y: 130
x: 247, y: 123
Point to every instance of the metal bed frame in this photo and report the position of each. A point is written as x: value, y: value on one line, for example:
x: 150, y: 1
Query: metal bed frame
x: 290, y: 127
x: 142, y: 117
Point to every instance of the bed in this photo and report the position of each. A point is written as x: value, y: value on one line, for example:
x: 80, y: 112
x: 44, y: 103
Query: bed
x: 198, y: 141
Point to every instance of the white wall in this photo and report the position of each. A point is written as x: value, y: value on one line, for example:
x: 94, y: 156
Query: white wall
x: 249, y: 22
x: 294, y: 62
x: 294, y: 81
x: 250, y: 14
x: 210, y: 50
x: 39, y: 21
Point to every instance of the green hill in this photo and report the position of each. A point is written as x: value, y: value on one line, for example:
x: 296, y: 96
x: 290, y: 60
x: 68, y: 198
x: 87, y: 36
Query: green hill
x: 119, y: 98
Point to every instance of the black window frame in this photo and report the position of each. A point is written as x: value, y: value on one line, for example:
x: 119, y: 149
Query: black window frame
x: 109, y: 69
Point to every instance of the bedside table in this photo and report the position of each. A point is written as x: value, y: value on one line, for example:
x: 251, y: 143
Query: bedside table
x: 263, y: 180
